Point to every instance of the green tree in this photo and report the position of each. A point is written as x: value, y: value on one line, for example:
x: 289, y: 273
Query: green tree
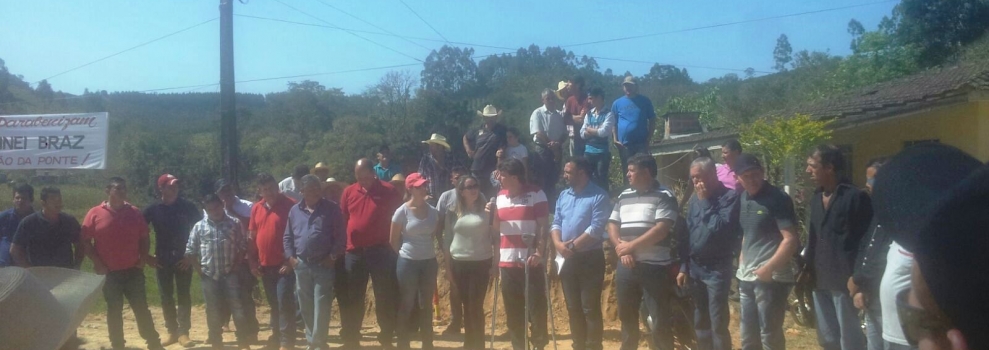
x: 782, y: 139
x: 782, y: 53
x: 45, y: 92
x: 450, y: 70
x: 940, y: 28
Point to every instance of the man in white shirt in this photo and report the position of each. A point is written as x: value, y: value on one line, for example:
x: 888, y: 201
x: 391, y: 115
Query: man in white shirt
x: 549, y: 133
x: 292, y: 185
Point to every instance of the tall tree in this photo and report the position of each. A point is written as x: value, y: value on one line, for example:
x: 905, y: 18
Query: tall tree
x: 449, y: 70
x: 782, y: 53
x: 45, y: 92
x: 941, y: 27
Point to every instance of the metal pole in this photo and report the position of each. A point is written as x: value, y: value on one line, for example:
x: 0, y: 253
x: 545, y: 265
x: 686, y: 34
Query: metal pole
x: 228, y: 112
x: 494, y: 309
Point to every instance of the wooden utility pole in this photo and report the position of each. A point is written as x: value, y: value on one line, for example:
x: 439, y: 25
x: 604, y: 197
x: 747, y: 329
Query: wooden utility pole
x: 229, y: 139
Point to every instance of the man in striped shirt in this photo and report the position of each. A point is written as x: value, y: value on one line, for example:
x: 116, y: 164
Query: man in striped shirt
x: 217, y: 245
x: 639, y: 229
x: 522, y: 217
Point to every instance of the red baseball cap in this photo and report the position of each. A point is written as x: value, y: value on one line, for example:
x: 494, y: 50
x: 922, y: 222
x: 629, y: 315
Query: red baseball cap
x: 167, y: 179
x: 415, y: 180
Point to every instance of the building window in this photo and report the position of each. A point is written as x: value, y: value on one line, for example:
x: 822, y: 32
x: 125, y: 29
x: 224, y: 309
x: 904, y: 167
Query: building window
x: 908, y: 144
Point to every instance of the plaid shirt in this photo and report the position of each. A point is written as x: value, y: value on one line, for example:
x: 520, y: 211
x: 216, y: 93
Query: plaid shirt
x: 438, y: 176
x: 219, y: 245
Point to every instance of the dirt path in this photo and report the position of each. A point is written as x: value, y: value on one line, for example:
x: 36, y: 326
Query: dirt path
x: 94, y: 334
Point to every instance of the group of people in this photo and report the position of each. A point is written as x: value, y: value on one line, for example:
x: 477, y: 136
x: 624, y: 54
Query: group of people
x: 906, y: 249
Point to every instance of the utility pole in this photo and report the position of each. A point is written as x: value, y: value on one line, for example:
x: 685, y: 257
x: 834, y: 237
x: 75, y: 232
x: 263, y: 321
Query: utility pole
x: 229, y: 139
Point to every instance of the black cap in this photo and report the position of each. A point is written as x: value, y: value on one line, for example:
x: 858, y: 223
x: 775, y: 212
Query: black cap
x: 220, y: 184
x: 951, y: 254
x: 910, y: 186
x: 745, y: 162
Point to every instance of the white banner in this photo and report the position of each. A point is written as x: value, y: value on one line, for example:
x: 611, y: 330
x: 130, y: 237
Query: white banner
x: 53, y: 141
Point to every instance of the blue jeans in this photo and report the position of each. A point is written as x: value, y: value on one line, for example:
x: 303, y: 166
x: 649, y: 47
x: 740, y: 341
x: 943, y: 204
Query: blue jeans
x: 280, y: 290
x: 653, y: 281
x: 763, y: 310
x: 838, y: 325
x: 416, y: 284
x: 874, y: 323
x: 171, y: 278
x: 582, y: 278
x: 377, y: 262
x: 600, y: 165
x: 128, y: 283
x: 709, y: 286
x: 314, y: 285
x: 224, y: 294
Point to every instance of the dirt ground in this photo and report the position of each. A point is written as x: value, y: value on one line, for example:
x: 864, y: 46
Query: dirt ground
x: 94, y: 334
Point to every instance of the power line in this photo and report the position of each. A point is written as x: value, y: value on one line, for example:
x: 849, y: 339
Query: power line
x: 132, y: 48
x: 373, y: 33
x: 729, y: 23
x: 480, y: 45
x: 349, y: 32
x: 423, y: 20
x: 372, y: 24
x: 678, y: 65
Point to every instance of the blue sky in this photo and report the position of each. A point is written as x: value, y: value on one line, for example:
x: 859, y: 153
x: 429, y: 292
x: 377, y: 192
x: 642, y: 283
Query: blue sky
x: 41, y: 38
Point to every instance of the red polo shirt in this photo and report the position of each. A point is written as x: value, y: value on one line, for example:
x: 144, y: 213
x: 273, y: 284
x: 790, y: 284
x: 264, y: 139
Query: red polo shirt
x: 368, y: 213
x: 269, y: 223
x: 117, y: 234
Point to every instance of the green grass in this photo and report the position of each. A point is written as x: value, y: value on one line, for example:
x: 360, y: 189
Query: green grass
x: 77, y: 201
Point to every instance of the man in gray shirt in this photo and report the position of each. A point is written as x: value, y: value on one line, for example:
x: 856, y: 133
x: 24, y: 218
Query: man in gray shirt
x: 765, y: 270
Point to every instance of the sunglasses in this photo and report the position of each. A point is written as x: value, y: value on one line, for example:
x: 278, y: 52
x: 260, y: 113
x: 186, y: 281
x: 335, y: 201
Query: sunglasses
x: 919, y: 323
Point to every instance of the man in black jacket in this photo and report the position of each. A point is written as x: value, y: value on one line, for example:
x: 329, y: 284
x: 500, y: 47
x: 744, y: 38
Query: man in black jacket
x: 870, y: 262
x: 839, y: 218
x: 712, y: 218
x: 172, y: 219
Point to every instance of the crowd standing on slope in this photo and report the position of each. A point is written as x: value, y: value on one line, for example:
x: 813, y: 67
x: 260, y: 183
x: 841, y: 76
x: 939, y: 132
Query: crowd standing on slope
x: 907, y: 250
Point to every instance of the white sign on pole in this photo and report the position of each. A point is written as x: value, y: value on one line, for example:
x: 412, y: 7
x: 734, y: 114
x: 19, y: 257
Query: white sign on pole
x: 53, y: 141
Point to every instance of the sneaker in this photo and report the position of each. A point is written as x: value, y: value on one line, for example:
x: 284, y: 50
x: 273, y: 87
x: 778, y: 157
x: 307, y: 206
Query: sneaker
x: 452, y: 329
x: 185, y: 341
x: 155, y: 347
x: 172, y: 339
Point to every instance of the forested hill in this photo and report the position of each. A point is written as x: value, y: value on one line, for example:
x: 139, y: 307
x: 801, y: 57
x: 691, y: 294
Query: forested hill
x: 152, y: 132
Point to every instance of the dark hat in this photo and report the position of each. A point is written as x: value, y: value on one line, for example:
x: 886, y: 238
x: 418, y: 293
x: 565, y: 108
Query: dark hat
x: 952, y: 255
x: 911, y: 185
x: 745, y: 162
x: 220, y: 184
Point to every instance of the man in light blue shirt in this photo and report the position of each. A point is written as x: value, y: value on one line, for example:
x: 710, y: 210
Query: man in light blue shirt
x: 578, y: 230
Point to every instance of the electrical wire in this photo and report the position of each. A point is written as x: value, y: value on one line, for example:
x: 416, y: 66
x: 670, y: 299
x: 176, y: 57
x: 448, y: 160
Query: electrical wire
x: 131, y: 48
x: 729, y: 23
x: 373, y: 25
x: 424, y: 20
x: 349, y: 32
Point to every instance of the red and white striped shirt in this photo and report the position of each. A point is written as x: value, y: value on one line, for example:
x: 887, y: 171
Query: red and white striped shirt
x: 517, y: 217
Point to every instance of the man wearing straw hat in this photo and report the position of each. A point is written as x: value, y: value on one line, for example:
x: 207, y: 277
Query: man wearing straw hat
x: 435, y: 167
x: 321, y: 171
x: 482, y: 145
x: 546, y: 124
